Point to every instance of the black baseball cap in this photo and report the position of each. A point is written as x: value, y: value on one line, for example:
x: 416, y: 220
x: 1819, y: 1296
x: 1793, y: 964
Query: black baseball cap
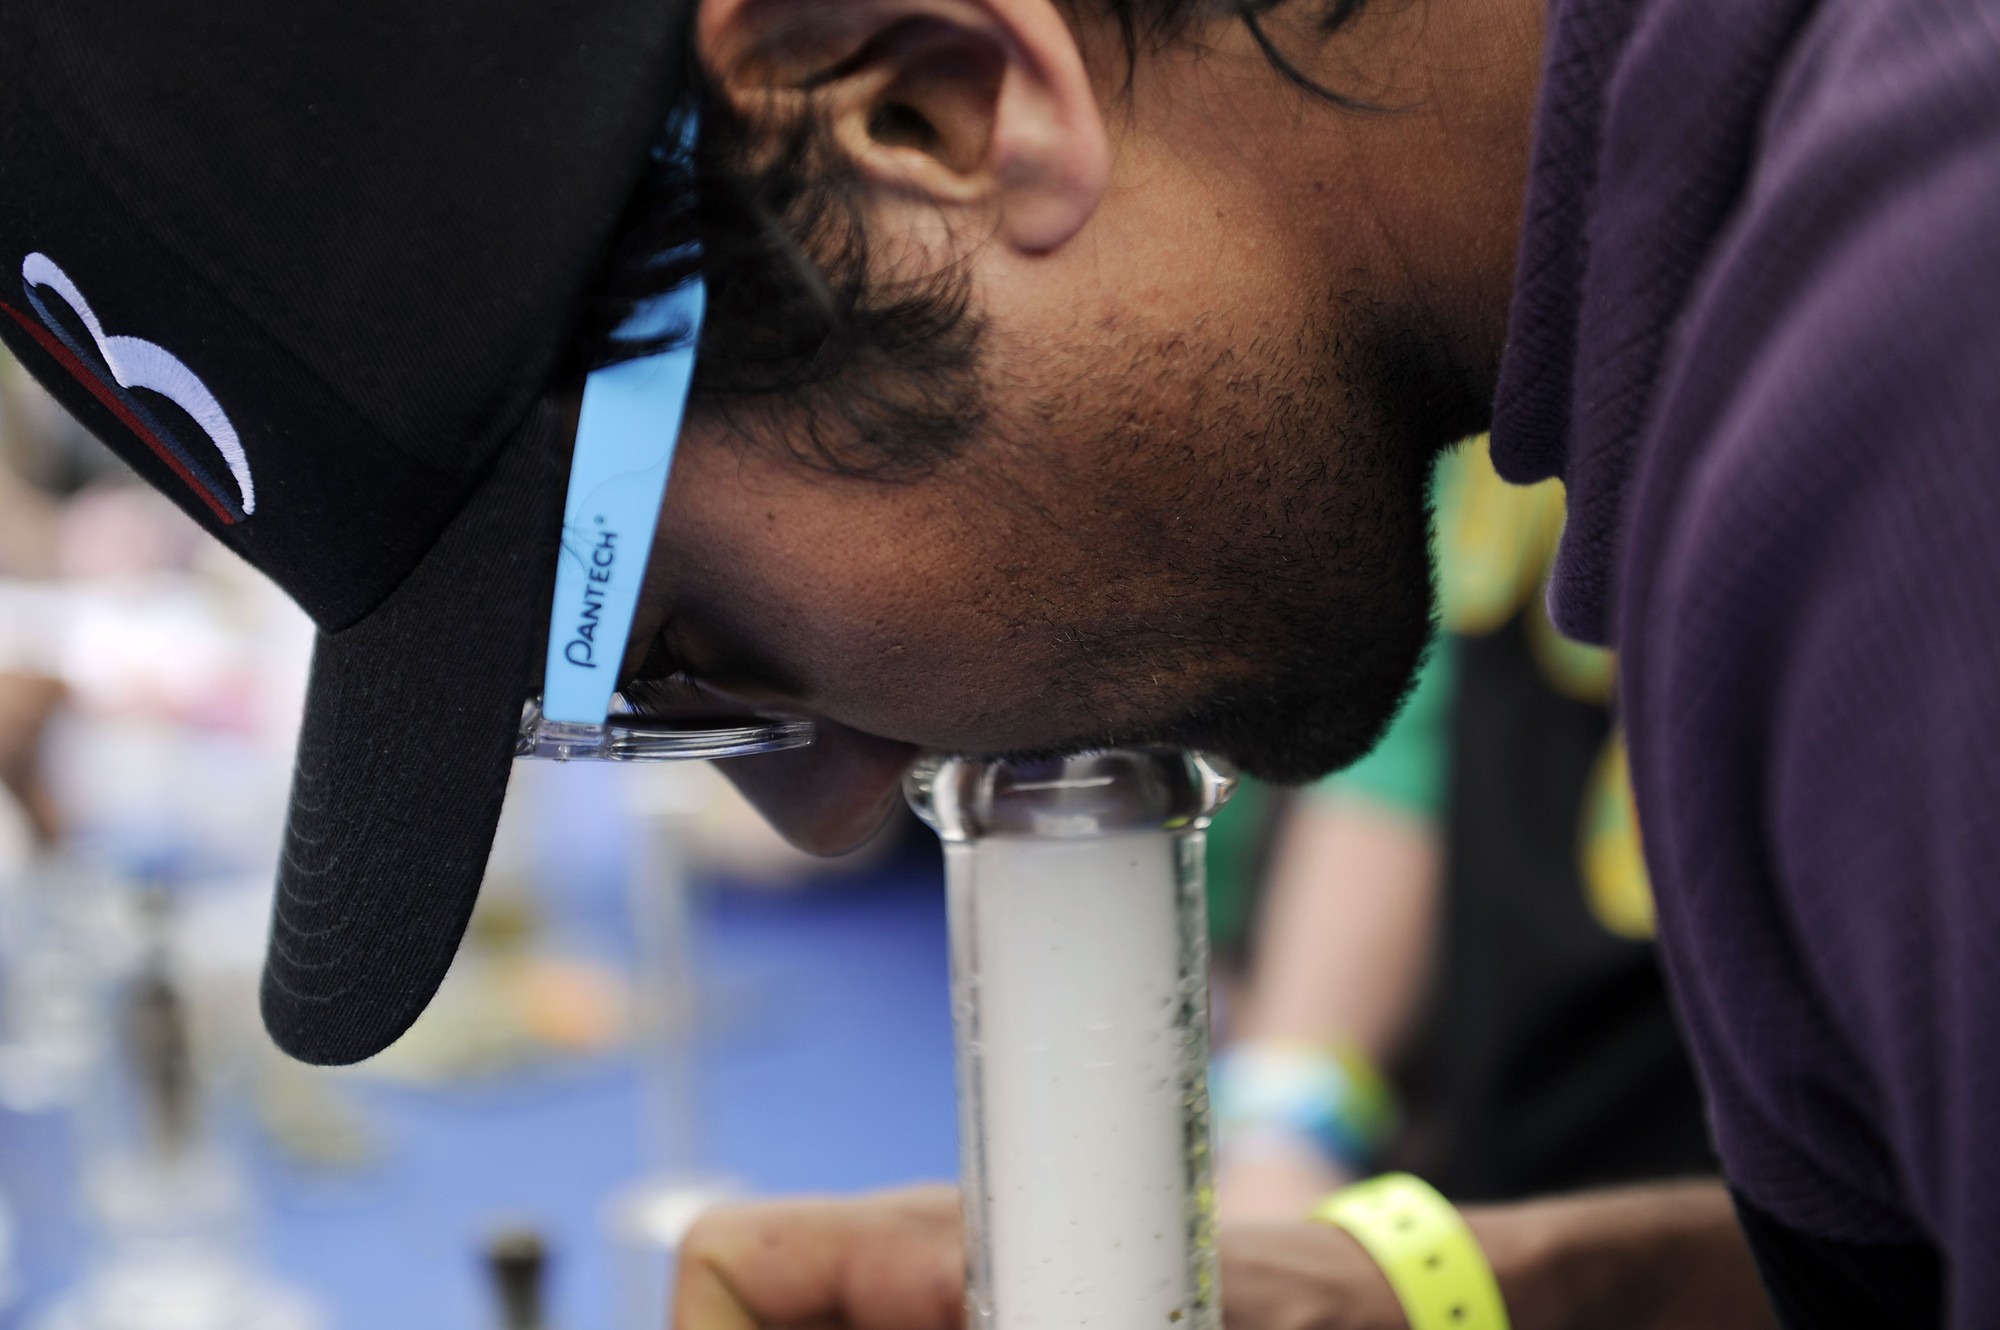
x: 313, y: 268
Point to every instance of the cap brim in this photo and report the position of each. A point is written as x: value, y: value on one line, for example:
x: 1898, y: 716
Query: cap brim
x: 410, y: 724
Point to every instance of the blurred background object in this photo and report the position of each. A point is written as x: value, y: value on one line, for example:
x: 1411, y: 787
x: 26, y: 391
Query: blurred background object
x: 171, y: 1245
x: 642, y: 956
x: 518, y: 1261
x: 27, y: 701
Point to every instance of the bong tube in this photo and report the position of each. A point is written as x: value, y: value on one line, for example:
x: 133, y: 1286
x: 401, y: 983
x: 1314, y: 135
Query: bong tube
x: 1080, y: 1004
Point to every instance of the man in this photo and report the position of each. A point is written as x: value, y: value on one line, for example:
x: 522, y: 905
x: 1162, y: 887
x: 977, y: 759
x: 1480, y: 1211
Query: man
x: 1071, y: 375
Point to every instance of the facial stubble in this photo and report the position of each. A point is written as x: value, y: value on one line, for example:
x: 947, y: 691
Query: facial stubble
x: 1282, y: 522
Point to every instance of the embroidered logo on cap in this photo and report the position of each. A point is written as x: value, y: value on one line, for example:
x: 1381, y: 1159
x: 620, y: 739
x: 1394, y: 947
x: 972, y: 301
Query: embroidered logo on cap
x: 128, y: 363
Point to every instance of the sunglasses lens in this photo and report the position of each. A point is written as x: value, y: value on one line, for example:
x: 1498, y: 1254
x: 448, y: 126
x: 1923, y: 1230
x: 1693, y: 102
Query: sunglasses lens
x: 634, y: 737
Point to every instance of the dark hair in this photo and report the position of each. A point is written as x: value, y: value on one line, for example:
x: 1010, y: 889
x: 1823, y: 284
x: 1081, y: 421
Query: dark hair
x: 877, y: 379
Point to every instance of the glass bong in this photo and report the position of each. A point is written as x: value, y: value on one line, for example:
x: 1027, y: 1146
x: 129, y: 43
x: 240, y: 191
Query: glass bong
x: 1079, y: 955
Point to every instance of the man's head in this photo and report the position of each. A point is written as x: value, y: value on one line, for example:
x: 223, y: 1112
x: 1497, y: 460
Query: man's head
x: 1074, y: 371
x: 1070, y: 376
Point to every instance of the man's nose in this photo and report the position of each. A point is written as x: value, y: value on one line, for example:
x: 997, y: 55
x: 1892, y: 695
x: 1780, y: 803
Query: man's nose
x: 830, y: 797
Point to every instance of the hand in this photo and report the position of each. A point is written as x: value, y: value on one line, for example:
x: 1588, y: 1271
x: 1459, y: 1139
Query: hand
x: 1638, y: 1258
x: 890, y: 1261
x: 896, y: 1261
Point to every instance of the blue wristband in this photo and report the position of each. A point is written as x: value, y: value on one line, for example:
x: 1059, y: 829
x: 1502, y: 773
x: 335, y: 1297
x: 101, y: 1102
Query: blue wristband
x: 1332, y: 1099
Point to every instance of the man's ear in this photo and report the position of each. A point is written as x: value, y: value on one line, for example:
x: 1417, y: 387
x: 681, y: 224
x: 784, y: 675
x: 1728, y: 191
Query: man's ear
x: 980, y: 107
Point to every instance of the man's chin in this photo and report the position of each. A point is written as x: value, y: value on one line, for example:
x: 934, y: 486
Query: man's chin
x: 1291, y: 729
x: 1295, y: 730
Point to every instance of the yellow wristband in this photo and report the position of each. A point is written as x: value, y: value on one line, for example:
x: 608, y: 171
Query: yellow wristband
x: 1423, y: 1246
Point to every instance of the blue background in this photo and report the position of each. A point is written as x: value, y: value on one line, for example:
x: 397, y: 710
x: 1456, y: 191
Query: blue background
x: 832, y: 1072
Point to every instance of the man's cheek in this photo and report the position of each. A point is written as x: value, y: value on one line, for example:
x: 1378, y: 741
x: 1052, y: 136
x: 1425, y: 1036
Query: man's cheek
x: 831, y: 796
x: 916, y: 692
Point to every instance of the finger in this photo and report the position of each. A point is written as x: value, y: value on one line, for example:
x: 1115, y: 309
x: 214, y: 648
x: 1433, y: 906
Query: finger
x: 895, y: 1261
x: 830, y: 797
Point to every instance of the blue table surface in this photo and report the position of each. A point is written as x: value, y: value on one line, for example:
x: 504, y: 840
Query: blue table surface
x: 832, y: 1073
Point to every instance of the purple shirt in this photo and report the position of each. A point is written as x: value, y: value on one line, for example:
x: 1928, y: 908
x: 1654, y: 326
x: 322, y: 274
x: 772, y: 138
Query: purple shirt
x: 1757, y: 332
